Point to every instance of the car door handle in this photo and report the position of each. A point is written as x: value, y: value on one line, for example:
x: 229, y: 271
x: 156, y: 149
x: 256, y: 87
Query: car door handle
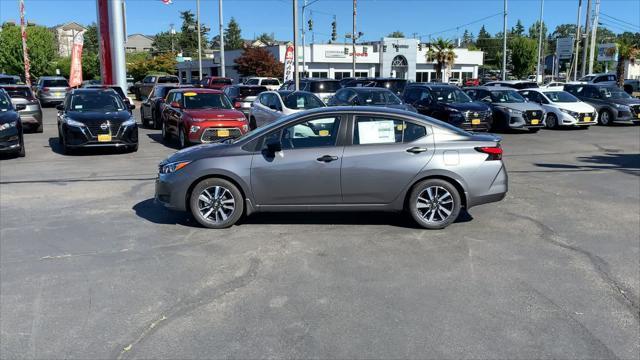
x: 327, y: 158
x: 417, y: 150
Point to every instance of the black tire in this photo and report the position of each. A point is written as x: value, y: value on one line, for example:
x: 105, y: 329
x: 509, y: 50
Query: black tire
x: 534, y: 130
x: 422, y: 218
x: 145, y: 122
x: 605, y: 118
x: 252, y: 123
x: 195, y: 203
x: 22, y: 151
x: 183, y: 139
x: 65, y: 149
x: 40, y: 128
x: 552, y: 121
x: 166, y: 136
x: 133, y: 148
x: 156, y: 121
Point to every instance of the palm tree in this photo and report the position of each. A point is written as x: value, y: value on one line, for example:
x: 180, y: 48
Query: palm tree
x: 626, y: 51
x: 441, y: 51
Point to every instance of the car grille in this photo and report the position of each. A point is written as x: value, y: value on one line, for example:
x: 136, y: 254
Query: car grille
x: 532, y: 114
x: 96, y: 129
x: 583, y: 115
x: 482, y: 115
x: 211, y: 134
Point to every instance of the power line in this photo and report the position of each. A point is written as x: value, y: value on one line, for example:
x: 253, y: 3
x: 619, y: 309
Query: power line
x: 635, y: 26
x: 461, y: 26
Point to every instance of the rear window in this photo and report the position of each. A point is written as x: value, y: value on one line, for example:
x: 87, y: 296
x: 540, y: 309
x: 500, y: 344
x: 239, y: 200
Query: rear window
x: 397, y: 86
x: 19, y: 92
x: 8, y: 80
x: 526, y: 85
x: 55, y: 83
x: 324, y: 86
x: 253, y: 82
x: 168, y: 79
x: 270, y: 82
x: 251, y: 91
x: 221, y: 81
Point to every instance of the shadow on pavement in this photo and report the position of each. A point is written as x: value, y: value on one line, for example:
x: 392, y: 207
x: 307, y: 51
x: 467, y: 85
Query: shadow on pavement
x: 56, y: 147
x: 627, y: 163
x: 158, y: 139
x: 157, y: 214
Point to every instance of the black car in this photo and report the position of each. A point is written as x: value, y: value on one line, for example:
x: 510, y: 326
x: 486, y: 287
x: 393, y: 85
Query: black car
x: 11, y: 139
x: 150, y: 109
x: 393, y: 84
x: 450, y: 104
x: 96, y: 118
x: 368, y: 96
x: 323, y: 88
x: 115, y: 88
x: 611, y: 102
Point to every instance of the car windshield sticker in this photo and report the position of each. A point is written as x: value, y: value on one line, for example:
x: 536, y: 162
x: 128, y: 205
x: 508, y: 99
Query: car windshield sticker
x: 376, y: 132
x: 78, y: 107
x: 300, y: 102
x: 190, y: 94
x: 324, y: 133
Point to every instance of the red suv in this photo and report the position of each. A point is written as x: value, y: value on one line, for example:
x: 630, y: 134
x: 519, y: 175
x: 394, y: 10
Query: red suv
x: 215, y: 82
x: 200, y: 116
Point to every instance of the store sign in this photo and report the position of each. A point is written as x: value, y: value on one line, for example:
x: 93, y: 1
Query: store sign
x: 608, y: 52
x: 288, y: 63
x: 564, y: 47
x: 334, y: 54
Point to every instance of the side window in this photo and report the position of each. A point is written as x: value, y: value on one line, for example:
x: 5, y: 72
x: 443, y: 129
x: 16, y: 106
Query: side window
x: 170, y: 98
x: 319, y: 132
x: 274, y: 101
x: 342, y: 96
x: 263, y: 100
x: 413, y: 132
x: 177, y: 97
x: 412, y: 95
x: 600, y: 79
x: 472, y: 94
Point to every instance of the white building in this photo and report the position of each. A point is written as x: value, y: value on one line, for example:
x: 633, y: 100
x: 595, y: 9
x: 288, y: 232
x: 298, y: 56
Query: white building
x: 390, y: 57
x: 65, y: 34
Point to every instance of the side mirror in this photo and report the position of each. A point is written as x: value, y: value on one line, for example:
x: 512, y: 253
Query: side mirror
x: 132, y: 106
x: 60, y: 107
x: 20, y: 107
x: 274, y: 146
x: 175, y: 104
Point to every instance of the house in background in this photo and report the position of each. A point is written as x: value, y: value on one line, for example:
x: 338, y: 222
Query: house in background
x: 65, y: 34
x: 138, y: 43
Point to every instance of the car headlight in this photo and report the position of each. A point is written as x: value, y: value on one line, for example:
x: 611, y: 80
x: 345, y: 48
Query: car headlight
x: 71, y: 122
x: 8, y: 125
x: 245, y: 128
x: 571, y: 113
x: 511, y: 111
x: 130, y: 122
x: 173, y: 167
x: 622, y: 107
x: 194, y: 129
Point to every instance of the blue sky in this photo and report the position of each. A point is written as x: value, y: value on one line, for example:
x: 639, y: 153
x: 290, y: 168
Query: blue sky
x: 376, y: 18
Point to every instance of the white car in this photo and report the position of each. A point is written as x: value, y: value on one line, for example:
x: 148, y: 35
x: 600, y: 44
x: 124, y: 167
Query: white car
x: 269, y: 83
x: 554, y: 85
x: 269, y: 106
x: 455, y: 82
x: 562, y: 108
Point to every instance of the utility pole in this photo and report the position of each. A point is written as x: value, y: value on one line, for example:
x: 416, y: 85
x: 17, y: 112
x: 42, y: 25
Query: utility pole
x: 594, y: 33
x: 199, y: 40
x: 296, y: 76
x: 353, y: 40
x: 504, y: 43
x: 172, y: 31
x: 575, y: 55
x: 221, y: 29
x: 302, y: 32
x: 540, y: 52
x: 586, y: 40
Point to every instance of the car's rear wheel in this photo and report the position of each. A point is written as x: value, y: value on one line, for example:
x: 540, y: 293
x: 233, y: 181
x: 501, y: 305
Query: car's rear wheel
x: 552, y: 121
x: 605, y: 117
x: 216, y: 203
x: 165, y: 133
x: 434, y: 203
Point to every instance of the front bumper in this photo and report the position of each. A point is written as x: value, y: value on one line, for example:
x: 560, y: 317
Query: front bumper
x: 568, y: 120
x: 626, y: 116
x: 10, y: 140
x: 520, y: 122
x: 171, y: 191
x: 208, y: 134
x: 78, y: 137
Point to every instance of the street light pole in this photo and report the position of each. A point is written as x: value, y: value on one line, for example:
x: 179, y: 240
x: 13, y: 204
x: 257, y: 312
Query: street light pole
x: 586, y: 40
x: 540, y: 53
x: 594, y: 33
x: 575, y: 56
x: 221, y: 29
x: 199, y: 40
x: 353, y: 40
x: 504, y: 43
x: 296, y: 76
x: 302, y: 32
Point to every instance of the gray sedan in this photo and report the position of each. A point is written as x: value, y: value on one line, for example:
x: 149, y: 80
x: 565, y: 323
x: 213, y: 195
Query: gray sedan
x: 337, y: 159
x: 269, y: 106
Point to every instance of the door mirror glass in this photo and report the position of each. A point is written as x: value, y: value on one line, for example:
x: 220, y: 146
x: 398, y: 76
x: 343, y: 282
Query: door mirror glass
x: 274, y: 145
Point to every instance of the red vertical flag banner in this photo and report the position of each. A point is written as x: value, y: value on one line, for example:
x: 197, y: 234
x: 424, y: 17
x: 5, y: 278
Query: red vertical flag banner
x: 288, y: 63
x: 75, y: 76
x: 25, y: 52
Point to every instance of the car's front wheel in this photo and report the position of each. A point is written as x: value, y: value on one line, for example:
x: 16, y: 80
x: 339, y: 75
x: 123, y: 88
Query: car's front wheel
x: 434, y: 203
x: 165, y: 132
x: 216, y: 203
x: 552, y: 121
x: 605, y: 117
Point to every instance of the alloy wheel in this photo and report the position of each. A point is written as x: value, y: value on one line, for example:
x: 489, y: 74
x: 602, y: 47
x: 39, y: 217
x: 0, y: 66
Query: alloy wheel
x: 605, y: 118
x: 435, y: 204
x: 216, y: 204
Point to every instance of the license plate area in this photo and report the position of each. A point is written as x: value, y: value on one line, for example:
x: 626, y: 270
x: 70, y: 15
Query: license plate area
x: 104, y: 137
x: 223, y: 133
x: 475, y: 121
x: 535, y: 121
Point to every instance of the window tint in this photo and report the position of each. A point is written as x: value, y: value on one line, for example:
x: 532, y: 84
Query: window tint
x: 149, y: 79
x: 376, y: 130
x: 168, y: 79
x: 19, y: 92
x: 55, y: 83
x: 253, y: 82
x: 321, y: 132
x: 270, y: 82
x: 299, y: 101
x: 177, y: 97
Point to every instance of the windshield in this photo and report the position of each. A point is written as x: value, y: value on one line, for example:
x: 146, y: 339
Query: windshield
x: 301, y: 101
x: 506, y: 96
x: 561, y: 97
x: 378, y: 98
x: 106, y: 101
x: 19, y: 92
x: 168, y: 79
x: 194, y: 100
x: 5, y: 103
x: 324, y: 86
x: 450, y: 95
x: 8, y: 80
x: 585, y: 78
x: 55, y: 83
x: 614, y: 93
x: 397, y: 86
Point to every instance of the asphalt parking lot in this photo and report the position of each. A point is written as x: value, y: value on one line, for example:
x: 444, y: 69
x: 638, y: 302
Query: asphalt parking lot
x: 92, y: 268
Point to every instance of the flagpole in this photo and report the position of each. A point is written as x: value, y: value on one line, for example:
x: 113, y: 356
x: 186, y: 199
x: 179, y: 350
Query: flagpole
x: 25, y: 51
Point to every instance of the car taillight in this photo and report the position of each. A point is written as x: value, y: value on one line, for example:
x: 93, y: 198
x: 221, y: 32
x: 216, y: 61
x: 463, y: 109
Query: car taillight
x: 237, y: 104
x: 494, y: 152
x: 45, y: 89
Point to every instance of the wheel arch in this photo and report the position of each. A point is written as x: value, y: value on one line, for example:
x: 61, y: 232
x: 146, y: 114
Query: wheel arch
x: 231, y: 179
x: 448, y: 177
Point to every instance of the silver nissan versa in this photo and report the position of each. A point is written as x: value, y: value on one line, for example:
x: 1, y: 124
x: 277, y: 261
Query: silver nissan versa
x: 335, y: 159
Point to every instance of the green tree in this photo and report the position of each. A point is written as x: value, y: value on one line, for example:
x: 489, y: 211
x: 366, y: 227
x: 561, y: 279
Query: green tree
x: 91, y: 44
x: 523, y: 56
x: 628, y: 50
x: 233, y: 36
x: 518, y: 30
x: 535, y: 28
x: 42, y: 51
x: 164, y: 42
x: 396, y: 34
x: 467, y: 39
x: 258, y: 62
x: 140, y: 65
x: 266, y: 38
x: 441, y: 51
x: 489, y: 45
x: 188, y: 39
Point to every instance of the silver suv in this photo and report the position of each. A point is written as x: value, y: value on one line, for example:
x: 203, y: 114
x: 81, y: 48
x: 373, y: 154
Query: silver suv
x: 51, y: 90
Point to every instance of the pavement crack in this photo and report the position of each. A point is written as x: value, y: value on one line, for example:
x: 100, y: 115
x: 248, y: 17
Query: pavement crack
x: 184, y: 307
x: 621, y: 292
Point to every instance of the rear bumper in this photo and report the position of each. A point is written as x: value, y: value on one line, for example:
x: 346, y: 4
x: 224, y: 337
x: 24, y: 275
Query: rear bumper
x: 50, y: 99
x: 496, y: 192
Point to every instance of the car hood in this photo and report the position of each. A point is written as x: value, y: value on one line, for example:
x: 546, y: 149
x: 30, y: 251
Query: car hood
x: 470, y: 106
x: 624, y: 101
x: 580, y: 107
x: 8, y: 116
x: 215, y: 114
x: 197, y: 152
x: 95, y: 116
x: 526, y: 106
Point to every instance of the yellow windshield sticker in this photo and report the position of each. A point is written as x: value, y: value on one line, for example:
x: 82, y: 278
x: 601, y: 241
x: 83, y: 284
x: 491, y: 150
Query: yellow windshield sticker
x: 324, y: 132
x: 190, y: 94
